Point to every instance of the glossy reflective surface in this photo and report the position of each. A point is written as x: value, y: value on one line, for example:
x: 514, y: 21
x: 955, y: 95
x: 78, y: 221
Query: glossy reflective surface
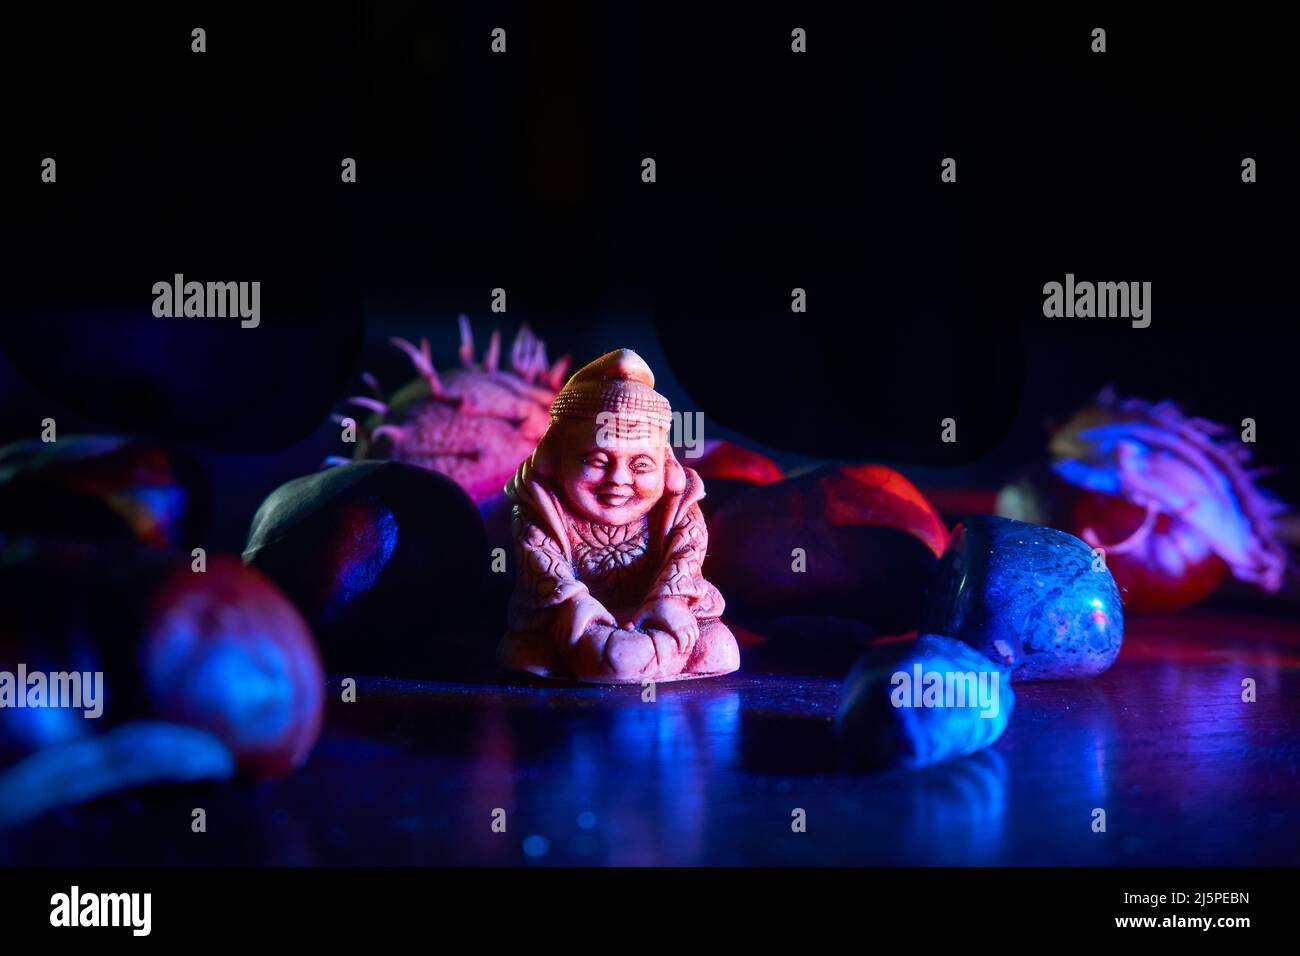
x: 713, y: 770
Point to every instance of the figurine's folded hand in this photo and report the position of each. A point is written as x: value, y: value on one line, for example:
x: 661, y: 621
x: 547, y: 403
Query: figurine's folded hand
x: 574, y: 616
x: 671, y: 614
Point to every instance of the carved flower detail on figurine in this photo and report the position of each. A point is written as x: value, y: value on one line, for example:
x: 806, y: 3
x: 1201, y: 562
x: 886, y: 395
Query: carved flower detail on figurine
x: 611, y: 549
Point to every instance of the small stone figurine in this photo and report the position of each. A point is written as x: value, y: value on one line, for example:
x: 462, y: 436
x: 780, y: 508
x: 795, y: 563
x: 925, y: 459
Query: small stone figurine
x: 610, y: 541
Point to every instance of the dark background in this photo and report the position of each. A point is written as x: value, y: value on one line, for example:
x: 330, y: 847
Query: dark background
x: 775, y: 170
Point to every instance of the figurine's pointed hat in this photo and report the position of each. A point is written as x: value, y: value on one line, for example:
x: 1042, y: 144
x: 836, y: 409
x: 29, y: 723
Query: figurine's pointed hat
x: 619, y: 382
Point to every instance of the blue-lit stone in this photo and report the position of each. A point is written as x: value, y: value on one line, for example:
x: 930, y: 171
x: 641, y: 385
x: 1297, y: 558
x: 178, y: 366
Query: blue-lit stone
x: 385, y: 561
x: 1033, y: 599
x: 918, y: 705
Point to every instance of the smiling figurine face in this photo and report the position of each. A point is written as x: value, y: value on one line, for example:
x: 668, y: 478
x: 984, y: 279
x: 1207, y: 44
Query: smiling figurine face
x: 606, y: 450
x: 609, y: 480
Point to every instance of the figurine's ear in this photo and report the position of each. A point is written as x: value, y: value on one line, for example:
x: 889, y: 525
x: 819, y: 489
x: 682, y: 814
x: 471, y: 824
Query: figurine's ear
x: 674, y: 473
x: 543, y: 454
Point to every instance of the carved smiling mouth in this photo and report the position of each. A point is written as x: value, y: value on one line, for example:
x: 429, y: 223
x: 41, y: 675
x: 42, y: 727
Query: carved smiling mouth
x: 612, y: 499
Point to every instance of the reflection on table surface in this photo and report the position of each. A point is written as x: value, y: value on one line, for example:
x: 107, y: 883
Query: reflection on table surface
x: 712, y: 772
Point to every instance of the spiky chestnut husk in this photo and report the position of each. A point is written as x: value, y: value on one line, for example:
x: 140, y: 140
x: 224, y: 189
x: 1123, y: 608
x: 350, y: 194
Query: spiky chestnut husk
x: 474, y: 424
x: 1169, y: 498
